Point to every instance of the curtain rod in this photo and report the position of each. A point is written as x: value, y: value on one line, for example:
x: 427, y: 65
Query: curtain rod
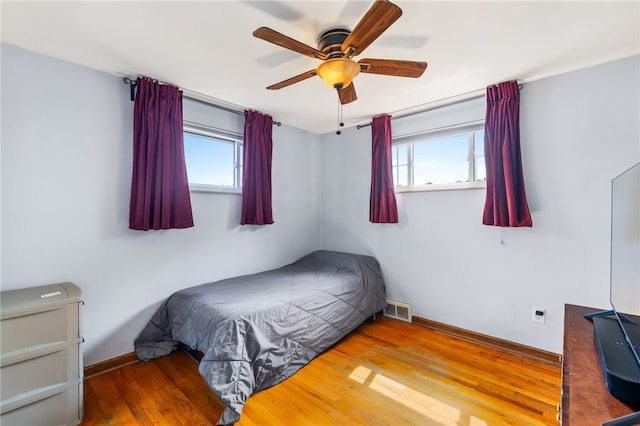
x: 360, y: 126
x: 132, y: 85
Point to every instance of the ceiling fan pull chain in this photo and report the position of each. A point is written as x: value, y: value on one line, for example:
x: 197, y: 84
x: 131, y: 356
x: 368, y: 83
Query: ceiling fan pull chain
x: 339, y: 117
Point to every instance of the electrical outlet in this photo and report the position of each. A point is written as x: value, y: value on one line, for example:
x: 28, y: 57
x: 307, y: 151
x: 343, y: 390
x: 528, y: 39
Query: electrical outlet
x: 537, y: 314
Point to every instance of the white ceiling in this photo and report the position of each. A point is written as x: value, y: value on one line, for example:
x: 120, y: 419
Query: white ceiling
x: 207, y: 47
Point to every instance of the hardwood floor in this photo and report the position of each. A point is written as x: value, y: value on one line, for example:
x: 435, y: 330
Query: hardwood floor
x: 384, y: 373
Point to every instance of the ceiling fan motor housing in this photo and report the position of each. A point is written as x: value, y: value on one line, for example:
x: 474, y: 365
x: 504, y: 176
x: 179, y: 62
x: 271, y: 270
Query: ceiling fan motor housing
x: 330, y: 41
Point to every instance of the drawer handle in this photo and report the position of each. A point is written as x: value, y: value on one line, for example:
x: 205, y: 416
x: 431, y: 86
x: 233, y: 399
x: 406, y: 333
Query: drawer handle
x: 53, y: 293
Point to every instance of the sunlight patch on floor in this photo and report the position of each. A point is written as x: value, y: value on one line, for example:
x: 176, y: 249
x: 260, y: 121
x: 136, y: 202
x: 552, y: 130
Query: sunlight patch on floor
x: 420, y: 403
x: 360, y: 374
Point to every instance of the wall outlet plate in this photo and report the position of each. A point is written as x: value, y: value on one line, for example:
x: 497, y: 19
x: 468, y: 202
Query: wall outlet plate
x: 537, y: 314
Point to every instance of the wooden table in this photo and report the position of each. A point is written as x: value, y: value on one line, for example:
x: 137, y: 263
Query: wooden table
x: 585, y: 398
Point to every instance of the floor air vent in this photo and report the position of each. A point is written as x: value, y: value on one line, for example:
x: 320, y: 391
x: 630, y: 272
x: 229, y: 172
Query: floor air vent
x: 398, y: 310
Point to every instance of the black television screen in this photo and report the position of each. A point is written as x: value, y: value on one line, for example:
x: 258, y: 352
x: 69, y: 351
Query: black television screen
x: 625, y: 253
x: 617, y: 331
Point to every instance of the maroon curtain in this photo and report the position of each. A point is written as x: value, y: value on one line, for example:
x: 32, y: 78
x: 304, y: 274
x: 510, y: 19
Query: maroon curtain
x: 159, y: 185
x: 506, y: 202
x: 256, y: 173
x: 382, y: 201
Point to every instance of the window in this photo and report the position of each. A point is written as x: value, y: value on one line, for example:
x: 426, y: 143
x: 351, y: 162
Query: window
x: 440, y: 160
x: 214, y: 160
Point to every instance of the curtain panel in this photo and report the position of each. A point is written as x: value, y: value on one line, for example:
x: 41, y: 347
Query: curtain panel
x: 382, y: 200
x: 159, y: 185
x: 506, y: 201
x: 256, y: 172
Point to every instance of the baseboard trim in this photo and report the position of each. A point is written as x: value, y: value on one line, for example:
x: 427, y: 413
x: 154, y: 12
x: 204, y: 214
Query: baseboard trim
x: 536, y: 354
x: 110, y: 365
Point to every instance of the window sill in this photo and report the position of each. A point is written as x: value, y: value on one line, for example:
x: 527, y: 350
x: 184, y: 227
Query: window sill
x: 441, y: 187
x: 214, y: 189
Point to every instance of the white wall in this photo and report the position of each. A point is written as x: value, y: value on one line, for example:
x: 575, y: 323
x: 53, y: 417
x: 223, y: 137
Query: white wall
x: 578, y: 131
x: 66, y: 170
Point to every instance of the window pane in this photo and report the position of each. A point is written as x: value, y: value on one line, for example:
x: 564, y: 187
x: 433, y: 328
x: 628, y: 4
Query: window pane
x: 481, y: 168
x: 400, y: 161
x: 399, y: 154
x: 399, y: 175
x: 441, y: 161
x: 209, y: 161
x: 402, y: 176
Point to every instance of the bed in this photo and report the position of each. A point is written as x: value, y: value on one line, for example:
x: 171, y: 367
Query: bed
x: 257, y: 330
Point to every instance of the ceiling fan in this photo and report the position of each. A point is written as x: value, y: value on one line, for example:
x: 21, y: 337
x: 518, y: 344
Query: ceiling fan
x: 338, y: 45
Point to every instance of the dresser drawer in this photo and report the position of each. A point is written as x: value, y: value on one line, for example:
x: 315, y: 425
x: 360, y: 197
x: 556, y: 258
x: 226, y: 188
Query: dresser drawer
x: 40, y: 328
x: 30, y: 375
x: 63, y: 408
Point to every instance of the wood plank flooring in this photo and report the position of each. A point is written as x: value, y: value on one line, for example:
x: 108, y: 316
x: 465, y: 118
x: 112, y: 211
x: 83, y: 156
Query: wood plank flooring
x: 384, y: 373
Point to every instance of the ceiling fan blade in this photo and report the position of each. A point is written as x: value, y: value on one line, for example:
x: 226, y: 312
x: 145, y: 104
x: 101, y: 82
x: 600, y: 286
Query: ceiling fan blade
x: 347, y: 94
x: 292, y: 80
x: 393, y: 67
x: 272, y: 36
x: 377, y: 19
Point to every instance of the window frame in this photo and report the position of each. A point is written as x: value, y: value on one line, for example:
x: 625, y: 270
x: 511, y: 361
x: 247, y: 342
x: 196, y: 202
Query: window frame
x: 470, y: 129
x: 223, y: 136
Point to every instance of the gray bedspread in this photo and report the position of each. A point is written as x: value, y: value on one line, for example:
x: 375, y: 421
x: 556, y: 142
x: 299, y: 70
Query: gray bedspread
x: 257, y: 330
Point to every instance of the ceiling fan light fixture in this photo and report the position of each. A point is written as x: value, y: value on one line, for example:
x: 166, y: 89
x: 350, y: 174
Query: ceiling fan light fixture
x: 338, y: 72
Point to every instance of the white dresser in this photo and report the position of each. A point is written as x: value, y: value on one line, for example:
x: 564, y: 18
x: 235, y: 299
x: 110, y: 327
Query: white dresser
x: 40, y: 356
